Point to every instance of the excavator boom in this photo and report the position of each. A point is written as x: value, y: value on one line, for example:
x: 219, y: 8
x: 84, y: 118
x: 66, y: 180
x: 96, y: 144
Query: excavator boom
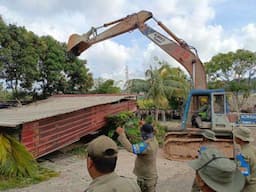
x: 176, y: 48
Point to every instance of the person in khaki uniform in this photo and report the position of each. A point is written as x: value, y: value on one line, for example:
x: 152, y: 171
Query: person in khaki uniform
x: 243, y: 138
x: 215, y: 172
x: 146, y: 151
x: 101, y: 163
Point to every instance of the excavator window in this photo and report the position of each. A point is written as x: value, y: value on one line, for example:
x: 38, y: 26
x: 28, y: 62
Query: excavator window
x: 218, y: 104
x: 203, y: 110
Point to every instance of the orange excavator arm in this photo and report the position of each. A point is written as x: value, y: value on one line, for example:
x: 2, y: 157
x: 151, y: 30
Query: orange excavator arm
x: 175, y: 47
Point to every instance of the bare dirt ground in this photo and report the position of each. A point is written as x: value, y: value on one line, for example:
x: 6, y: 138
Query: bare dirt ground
x: 173, y: 176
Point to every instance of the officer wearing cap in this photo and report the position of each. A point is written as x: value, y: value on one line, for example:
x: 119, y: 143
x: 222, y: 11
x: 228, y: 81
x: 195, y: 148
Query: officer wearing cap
x: 215, y: 172
x: 243, y: 138
x: 101, y: 163
x: 146, y: 151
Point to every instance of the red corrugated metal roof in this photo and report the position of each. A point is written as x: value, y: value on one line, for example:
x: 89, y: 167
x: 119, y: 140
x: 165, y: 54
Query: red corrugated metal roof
x: 55, y: 105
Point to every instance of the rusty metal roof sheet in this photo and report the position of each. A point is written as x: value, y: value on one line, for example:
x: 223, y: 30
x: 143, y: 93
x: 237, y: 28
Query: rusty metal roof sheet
x: 53, y: 106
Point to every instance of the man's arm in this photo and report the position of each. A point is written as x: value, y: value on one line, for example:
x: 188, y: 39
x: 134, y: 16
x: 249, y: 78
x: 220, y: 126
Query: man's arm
x: 133, y: 148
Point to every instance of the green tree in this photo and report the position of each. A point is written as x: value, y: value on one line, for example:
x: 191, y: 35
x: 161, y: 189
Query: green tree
x: 33, y: 65
x: 80, y: 80
x: 233, y: 71
x: 18, y: 58
x: 177, y: 83
x: 3, y: 34
x: 167, y: 85
x: 157, y: 88
x: 136, y: 86
x: 51, y: 60
x: 61, y: 72
x: 105, y: 86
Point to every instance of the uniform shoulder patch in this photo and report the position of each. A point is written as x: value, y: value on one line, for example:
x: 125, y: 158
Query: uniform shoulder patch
x: 139, y: 147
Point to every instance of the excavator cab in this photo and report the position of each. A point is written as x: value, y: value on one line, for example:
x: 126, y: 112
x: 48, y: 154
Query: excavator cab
x: 207, y: 109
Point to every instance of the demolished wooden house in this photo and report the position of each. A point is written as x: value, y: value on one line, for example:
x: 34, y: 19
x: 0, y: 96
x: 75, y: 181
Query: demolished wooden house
x: 60, y: 120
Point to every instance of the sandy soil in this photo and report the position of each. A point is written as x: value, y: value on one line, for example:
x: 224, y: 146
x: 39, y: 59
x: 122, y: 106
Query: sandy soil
x: 173, y: 176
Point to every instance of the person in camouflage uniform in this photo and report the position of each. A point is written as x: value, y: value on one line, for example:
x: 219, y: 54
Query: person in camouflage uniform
x: 146, y: 151
x: 101, y: 163
x: 243, y: 138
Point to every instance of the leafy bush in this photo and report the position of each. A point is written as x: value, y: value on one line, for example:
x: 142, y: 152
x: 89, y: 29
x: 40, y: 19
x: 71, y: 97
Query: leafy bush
x: 131, y: 125
x: 119, y: 119
x: 146, y: 104
x: 126, y: 120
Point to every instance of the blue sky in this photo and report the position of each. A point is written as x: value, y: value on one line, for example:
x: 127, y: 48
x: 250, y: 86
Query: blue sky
x: 212, y: 26
x: 235, y: 14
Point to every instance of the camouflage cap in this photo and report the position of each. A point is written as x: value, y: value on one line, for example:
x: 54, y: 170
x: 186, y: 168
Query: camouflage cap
x: 209, y: 135
x: 243, y: 133
x: 102, y: 147
x: 217, y: 171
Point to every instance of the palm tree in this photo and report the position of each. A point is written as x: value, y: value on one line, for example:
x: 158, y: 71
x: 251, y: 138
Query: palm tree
x: 179, y: 85
x: 157, y: 90
x: 166, y: 83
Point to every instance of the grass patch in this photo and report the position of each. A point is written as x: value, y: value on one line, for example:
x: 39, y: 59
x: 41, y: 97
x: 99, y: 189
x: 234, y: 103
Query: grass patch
x: 19, y: 182
x: 79, y: 151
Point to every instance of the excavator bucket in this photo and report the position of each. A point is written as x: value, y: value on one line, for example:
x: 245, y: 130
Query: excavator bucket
x: 78, y: 43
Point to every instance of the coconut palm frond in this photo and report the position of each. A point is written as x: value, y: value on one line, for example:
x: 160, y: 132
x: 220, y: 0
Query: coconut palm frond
x: 5, y: 147
x: 18, y: 161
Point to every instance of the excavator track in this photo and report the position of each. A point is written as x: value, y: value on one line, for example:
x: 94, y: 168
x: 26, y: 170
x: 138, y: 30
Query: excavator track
x: 184, y: 145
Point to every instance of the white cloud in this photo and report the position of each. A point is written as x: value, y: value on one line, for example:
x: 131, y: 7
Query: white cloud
x: 107, y: 59
x: 192, y: 20
x: 249, y: 36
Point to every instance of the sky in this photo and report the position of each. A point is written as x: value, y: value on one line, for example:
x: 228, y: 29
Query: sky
x: 211, y: 26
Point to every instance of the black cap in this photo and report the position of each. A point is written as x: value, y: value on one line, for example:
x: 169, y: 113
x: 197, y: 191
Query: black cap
x: 147, y: 128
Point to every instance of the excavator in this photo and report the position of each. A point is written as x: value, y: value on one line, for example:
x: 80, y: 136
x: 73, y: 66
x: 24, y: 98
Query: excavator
x: 183, y: 142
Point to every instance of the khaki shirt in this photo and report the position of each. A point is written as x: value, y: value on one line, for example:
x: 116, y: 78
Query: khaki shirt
x: 145, y: 163
x: 112, y: 182
x: 249, y: 153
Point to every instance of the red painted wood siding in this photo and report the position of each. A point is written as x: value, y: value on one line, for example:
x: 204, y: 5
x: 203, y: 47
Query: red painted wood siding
x: 47, y: 135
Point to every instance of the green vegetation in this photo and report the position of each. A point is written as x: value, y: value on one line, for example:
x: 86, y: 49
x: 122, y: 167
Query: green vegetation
x: 165, y: 87
x: 15, y: 160
x: 80, y: 151
x: 43, y: 174
x: 4, y: 95
x: 27, y: 60
x: 233, y: 71
x: 17, y: 166
x: 131, y: 125
x: 105, y: 86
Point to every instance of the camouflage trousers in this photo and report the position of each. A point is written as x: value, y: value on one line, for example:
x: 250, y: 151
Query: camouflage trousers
x: 147, y: 185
